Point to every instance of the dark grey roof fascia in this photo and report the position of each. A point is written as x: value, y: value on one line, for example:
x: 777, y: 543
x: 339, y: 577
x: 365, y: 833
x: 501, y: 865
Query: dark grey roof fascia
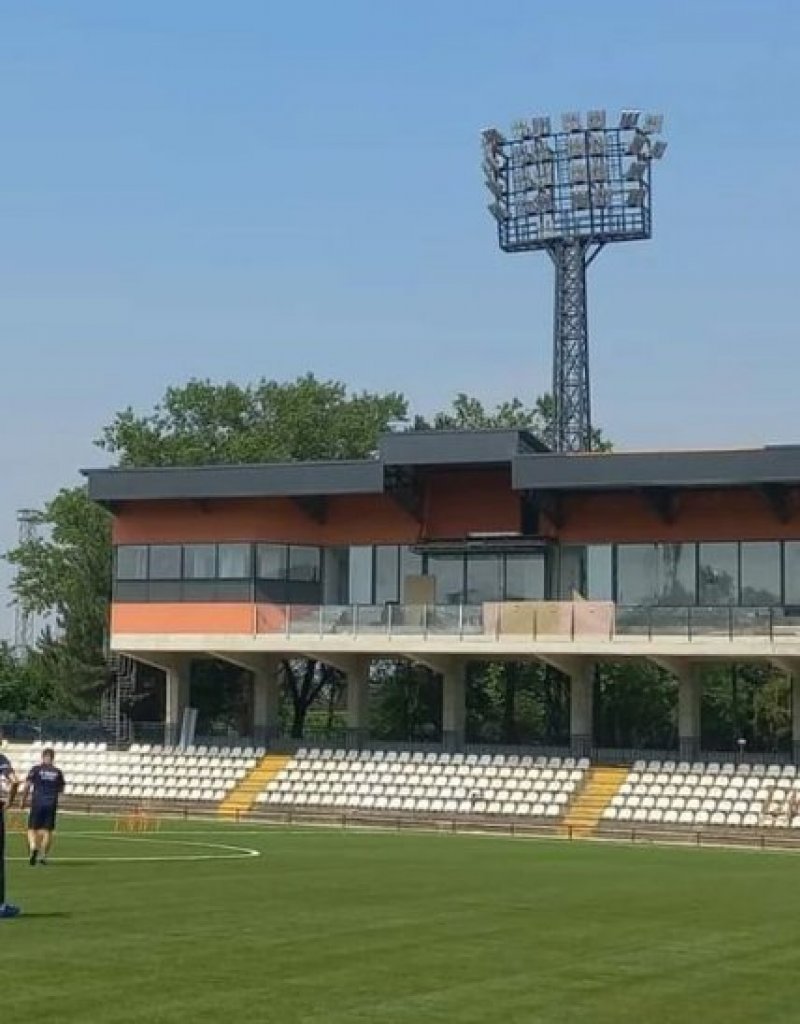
x: 290, y: 479
x: 630, y: 470
x: 456, y: 447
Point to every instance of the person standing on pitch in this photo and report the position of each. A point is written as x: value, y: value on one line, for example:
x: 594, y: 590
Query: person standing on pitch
x: 8, y: 789
x: 46, y: 784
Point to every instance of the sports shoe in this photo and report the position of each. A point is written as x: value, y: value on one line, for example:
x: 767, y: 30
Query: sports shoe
x: 33, y: 857
x: 43, y: 862
x: 8, y: 910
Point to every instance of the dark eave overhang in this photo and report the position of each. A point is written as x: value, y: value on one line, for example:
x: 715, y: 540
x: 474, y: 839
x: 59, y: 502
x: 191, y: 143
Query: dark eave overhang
x: 770, y: 468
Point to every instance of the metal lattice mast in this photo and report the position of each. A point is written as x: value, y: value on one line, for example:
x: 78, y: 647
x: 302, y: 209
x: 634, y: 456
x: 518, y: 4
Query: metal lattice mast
x: 24, y: 622
x: 570, y: 192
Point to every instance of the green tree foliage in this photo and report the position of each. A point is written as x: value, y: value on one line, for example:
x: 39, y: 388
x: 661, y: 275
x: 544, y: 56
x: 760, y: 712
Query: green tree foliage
x: 467, y: 413
x: 203, y: 423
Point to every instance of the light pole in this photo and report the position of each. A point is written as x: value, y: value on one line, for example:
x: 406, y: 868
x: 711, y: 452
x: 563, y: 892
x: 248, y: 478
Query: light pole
x: 570, y: 191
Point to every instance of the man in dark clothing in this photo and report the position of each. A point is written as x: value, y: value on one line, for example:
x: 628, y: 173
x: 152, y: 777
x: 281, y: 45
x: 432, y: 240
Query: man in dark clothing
x: 8, y: 789
x: 45, y: 783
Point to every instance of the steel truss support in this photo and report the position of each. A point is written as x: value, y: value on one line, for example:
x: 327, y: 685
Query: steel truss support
x: 571, y: 394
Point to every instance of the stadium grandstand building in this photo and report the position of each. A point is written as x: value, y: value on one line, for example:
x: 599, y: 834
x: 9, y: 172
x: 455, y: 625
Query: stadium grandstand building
x: 450, y: 547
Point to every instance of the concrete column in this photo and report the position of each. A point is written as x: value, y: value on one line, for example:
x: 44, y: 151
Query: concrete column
x: 581, y: 708
x: 266, y: 700
x: 357, y: 670
x: 690, y: 692
x: 454, y: 704
x: 178, y: 678
x: 794, y: 680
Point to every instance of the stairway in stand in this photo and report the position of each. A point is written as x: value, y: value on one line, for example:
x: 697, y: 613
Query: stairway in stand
x: 242, y: 799
x: 602, y: 782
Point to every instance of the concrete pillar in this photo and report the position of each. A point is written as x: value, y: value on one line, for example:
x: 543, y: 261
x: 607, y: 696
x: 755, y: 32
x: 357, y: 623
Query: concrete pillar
x: 454, y: 704
x: 357, y: 670
x: 178, y: 679
x: 581, y: 708
x: 266, y: 700
x: 690, y: 692
x: 794, y: 680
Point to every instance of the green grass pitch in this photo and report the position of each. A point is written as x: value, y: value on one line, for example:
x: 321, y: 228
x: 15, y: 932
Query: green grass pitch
x: 334, y: 927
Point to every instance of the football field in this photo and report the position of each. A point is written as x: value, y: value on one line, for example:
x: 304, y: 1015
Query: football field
x: 206, y: 923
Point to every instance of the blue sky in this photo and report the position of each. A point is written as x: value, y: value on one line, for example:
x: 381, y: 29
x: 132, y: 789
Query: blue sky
x: 254, y: 188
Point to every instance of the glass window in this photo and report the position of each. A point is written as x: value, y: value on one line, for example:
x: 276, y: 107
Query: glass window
x: 571, y: 571
x: 484, y: 578
x: 599, y: 572
x: 234, y: 561
x: 792, y: 571
x: 719, y: 574
x: 335, y: 575
x: 636, y: 574
x: 525, y: 577
x: 448, y: 571
x: 361, y: 575
x: 132, y: 562
x: 272, y: 561
x: 199, y: 561
x: 410, y: 566
x: 675, y: 574
x: 304, y: 564
x: 387, y: 574
x: 761, y: 573
x: 165, y: 562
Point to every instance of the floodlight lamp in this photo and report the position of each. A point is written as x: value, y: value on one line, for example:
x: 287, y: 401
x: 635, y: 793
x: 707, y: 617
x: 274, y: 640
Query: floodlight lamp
x: 638, y: 145
x: 599, y: 169
x: 577, y: 145
x: 599, y: 195
x: 540, y: 126
x: 580, y: 200
x: 596, y: 120
x: 498, y: 211
x: 653, y: 124
x: 636, y: 197
x: 597, y: 145
x: 571, y: 121
x: 628, y: 119
x: 635, y: 171
x: 658, y: 149
x: 520, y: 128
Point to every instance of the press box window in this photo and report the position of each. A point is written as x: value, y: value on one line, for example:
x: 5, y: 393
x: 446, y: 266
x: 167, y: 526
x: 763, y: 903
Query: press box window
x: 132, y: 562
x: 199, y: 562
x: 233, y: 561
x: 165, y: 562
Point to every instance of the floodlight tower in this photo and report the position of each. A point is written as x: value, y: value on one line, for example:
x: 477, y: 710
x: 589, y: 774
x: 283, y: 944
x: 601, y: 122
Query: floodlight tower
x: 570, y: 192
x: 24, y: 623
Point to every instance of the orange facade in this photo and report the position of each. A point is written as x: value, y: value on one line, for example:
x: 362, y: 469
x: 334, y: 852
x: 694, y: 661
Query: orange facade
x: 455, y: 504
x: 451, y: 506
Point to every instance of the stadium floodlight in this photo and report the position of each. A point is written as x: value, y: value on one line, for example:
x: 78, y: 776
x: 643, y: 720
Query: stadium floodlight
x: 570, y: 192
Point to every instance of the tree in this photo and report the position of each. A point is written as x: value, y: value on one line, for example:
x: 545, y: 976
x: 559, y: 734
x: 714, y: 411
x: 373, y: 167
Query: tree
x: 66, y: 575
x: 206, y: 423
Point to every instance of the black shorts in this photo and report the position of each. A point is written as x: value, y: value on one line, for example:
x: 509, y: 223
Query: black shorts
x: 42, y: 818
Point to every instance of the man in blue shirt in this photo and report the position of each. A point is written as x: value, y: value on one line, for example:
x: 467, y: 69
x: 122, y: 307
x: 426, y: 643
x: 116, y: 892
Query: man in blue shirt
x: 8, y: 789
x: 46, y: 784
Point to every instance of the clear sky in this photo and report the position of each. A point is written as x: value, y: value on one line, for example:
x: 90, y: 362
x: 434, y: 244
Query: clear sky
x: 195, y: 188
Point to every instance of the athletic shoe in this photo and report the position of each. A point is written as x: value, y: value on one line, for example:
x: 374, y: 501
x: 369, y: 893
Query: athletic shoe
x: 8, y: 910
x: 33, y: 857
x: 43, y: 862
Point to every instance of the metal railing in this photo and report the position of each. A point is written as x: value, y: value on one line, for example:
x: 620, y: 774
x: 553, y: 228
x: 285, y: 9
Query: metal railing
x: 536, y: 621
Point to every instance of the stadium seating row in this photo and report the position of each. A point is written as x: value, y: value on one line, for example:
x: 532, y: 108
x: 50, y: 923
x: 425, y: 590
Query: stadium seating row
x: 710, y: 794
x: 464, y: 784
